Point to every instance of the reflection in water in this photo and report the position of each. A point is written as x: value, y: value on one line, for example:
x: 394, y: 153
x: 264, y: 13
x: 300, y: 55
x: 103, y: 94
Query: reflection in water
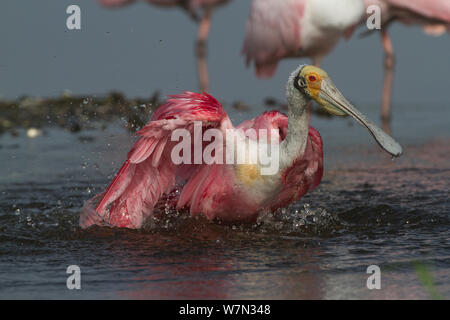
x: 220, y: 268
x: 386, y: 125
x: 171, y: 267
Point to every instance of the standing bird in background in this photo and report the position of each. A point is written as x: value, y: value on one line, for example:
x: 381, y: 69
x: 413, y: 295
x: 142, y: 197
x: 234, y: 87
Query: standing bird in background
x: 433, y: 15
x: 278, y: 29
x: 192, y: 7
x: 153, y: 180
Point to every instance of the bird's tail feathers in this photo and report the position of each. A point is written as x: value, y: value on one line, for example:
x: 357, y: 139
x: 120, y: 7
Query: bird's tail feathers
x: 266, y: 70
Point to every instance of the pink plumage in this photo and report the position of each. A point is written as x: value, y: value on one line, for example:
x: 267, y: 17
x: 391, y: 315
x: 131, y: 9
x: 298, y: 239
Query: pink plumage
x: 415, y: 11
x: 273, y: 33
x: 149, y: 176
x: 278, y: 29
x: 115, y: 3
x: 183, y: 3
x: 191, y: 6
x: 182, y: 158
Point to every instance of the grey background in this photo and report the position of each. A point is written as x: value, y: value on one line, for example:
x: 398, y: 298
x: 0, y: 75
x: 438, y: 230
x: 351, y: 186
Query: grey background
x: 141, y: 48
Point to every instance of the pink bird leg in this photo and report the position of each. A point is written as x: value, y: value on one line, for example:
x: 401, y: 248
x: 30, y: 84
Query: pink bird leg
x: 433, y: 15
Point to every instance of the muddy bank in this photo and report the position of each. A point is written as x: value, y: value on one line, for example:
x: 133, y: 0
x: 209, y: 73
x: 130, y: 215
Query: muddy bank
x: 77, y: 113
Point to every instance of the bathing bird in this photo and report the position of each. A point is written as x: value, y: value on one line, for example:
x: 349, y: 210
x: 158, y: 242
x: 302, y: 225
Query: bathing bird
x: 433, y: 15
x: 156, y: 177
x: 278, y: 29
x: 192, y: 7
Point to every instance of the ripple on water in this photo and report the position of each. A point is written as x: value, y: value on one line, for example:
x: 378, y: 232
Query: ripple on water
x: 362, y: 213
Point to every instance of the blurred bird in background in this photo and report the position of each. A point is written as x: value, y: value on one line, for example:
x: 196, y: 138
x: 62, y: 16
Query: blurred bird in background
x: 278, y: 29
x: 192, y: 7
x: 433, y: 15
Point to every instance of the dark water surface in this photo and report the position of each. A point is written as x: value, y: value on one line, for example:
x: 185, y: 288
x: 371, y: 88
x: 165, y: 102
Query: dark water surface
x: 368, y: 210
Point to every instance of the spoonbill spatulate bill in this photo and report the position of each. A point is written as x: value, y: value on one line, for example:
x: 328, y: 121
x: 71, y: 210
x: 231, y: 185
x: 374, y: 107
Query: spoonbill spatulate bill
x: 238, y: 191
x: 204, y: 24
x: 278, y: 29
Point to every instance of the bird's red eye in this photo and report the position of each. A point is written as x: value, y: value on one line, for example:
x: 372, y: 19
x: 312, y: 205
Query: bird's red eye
x: 312, y: 78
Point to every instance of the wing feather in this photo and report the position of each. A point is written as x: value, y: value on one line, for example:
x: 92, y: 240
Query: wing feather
x: 272, y: 33
x: 148, y: 172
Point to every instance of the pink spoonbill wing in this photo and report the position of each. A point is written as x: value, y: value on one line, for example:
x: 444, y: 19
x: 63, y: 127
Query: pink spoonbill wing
x: 149, y: 171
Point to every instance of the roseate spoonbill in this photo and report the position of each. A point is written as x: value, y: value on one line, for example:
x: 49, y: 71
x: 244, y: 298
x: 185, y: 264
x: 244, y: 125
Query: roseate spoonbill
x: 278, y: 29
x: 192, y: 7
x: 433, y: 15
x: 150, y: 179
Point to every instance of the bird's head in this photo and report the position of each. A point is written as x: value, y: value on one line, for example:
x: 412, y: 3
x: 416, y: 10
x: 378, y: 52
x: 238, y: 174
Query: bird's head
x: 309, y: 81
x: 315, y: 84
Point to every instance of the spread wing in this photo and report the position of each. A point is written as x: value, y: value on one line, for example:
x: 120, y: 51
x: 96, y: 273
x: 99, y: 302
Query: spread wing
x: 149, y: 171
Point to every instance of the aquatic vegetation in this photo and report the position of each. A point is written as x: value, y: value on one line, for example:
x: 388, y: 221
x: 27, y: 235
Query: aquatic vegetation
x: 427, y: 280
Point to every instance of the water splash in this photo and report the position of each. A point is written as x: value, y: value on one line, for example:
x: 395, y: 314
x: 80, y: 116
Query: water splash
x: 295, y: 220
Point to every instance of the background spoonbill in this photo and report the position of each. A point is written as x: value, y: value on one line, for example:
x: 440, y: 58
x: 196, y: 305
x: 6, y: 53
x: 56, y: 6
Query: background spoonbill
x: 278, y: 29
x: 192, y: 7
x: 150, y: 178
x: 433, y: 15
